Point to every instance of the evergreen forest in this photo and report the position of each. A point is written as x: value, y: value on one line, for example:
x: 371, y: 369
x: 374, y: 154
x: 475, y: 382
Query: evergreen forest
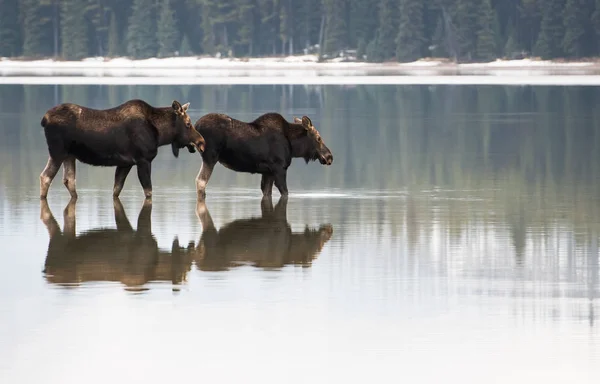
x: 372, y: 30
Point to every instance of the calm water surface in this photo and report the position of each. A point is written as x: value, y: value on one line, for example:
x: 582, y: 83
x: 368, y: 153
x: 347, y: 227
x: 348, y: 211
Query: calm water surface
x: 455, y: 237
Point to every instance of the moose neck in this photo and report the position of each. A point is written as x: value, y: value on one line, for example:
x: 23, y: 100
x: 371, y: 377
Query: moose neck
x: 163, y: 119
x: 299, y: 141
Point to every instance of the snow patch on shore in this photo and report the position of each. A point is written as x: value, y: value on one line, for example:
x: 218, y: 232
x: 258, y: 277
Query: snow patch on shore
x: 300, y: 69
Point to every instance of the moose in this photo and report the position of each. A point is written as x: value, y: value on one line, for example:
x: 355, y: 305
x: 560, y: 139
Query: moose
x: 121, y: 137
x: 265, y: 242
x: 131, y: 257
x: 265, y: 145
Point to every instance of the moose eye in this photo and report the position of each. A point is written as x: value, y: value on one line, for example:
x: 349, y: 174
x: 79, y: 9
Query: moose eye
x: 318, y: 140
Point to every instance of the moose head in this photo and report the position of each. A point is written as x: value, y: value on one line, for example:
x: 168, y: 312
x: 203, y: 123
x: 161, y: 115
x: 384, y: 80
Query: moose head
x: 186, y: 135
x: 314, y: 147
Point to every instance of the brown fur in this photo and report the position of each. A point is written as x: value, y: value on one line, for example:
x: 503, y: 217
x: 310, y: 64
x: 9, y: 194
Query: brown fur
x: 265, y: 146
x: 127, y: 135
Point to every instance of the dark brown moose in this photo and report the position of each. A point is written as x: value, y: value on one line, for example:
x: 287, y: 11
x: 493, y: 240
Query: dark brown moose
x: 264, y: 242
x: 124, y: 255
x: 121, y: 137
x: 265, y: 145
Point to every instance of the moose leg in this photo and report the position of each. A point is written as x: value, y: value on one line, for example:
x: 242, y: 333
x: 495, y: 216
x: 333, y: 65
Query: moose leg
x: 204, y: 216
x: 69, y: 175
x: 202, y: 178
x: 70, y: 218
x: 120, y: 176
x: 280, y: 182
x: 47, y: 176
x: 266, y: 206
x: 48, y: 219
x: 123, y: 224
x: 144, y: 170
x: 266, y: 185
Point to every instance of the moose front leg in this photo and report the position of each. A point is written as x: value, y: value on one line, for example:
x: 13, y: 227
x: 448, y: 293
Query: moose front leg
x: 266, y: 184
x: 280, y: 182
x: 202, y: 179
x: 120, y: 176
x: 47, y: 176
x: 69, y: 176
x: 144, y: 170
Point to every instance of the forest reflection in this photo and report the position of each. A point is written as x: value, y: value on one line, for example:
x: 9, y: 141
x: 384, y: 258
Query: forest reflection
x: 477, y: 182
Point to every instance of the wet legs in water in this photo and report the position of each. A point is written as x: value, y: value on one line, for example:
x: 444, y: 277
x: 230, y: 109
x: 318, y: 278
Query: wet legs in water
x: 144, y: 170
x: 280, y: 182
x: 202, y: 179
x: 69, y: 176
x: 47, y: 176
x: 120, y: 176
x: 266, y: 185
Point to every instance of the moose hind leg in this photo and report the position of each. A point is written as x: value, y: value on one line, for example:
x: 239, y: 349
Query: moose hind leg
x: 266, y: 185
x: 202, y: 179
x: 144, y: 169
x: 120, y: 176
x: 47, y: 176
x: 69, y: 176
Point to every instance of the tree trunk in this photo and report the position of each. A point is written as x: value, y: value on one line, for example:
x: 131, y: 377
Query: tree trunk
x: 321, y: 32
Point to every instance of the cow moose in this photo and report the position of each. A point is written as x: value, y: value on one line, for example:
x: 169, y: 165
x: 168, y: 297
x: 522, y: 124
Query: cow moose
x: 265, y: 145
x: 124, y: 255
x: 121, y: 137
x: 264, y: 242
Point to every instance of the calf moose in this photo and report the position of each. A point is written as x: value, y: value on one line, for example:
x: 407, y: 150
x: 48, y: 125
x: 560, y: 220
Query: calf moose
x: 265, y: 145
x: 124, y: 136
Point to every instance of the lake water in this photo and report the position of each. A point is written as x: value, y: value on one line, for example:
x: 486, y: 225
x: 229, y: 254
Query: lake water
x: 455, y: 237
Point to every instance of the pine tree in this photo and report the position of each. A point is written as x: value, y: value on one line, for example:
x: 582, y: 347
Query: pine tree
x: 185, y: 49
x: 577, y: 25
x: 286, y: 26
x: 362, y: 23
x: 268, y: 33
x: 9, y: 27
x: 388, y: 29
x: 208, y: 41
x: 247, y: 28
x: 36, y: 31
x: 596, y: 18
x: 73, y: 30
x: 410, y: 43
x: 486, y: 39
x: 548, y: 45
x: 335, y: 30
x: 512, y: 45
x: 529, y: 23
x: 168, y: 41
x: 466, y: 19
x: 141, y: 35
x: 114, y: 42
x: 96, y: 24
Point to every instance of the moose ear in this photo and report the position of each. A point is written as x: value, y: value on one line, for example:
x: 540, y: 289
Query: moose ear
x: 185, y: 106
x: 176, y: 106
x: 297, y: 120
x: 306, y: 122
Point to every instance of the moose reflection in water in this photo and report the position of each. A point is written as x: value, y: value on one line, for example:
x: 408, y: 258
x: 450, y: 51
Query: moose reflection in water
x: 124, y: 255
x: 264, y: 242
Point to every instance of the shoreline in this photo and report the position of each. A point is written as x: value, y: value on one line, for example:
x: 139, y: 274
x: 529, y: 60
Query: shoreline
x: 304, y: 69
